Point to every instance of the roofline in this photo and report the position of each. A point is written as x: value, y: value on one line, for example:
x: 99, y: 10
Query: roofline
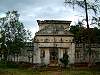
x: 54, y: 35
x: 53, y: 22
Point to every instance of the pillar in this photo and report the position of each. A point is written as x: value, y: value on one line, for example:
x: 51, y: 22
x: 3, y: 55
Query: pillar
x: 47, y: 57
x: 71, y: 53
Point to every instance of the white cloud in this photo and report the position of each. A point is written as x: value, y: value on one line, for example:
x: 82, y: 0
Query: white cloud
x: 31, y: 10
x: 2, y: 15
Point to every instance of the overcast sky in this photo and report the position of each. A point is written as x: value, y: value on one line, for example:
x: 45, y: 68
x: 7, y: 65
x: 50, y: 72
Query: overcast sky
x: 32, y: 10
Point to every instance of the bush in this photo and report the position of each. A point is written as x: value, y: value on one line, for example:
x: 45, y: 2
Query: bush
x: 65, y: 60
x: 8, y: 64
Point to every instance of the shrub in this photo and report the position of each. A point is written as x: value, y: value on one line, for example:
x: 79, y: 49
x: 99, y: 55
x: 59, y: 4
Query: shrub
x: 65, y: 60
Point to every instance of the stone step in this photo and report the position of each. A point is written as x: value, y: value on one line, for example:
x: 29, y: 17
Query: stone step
x: 50, y: 69
x: 53, y: 65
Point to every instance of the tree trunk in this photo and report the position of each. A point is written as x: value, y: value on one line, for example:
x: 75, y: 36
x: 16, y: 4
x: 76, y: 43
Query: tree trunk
x: 88, y: 29
x: 86, y: 14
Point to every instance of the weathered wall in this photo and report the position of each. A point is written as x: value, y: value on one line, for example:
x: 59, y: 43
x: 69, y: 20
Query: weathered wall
x: 54, y: 34
x: 81, y: 53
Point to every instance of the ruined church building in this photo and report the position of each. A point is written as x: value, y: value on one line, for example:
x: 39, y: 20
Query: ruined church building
x: 51, y: 42
x: 54, y: 39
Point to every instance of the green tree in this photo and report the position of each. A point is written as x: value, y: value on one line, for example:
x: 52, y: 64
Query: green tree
x: 77, y: 30
x: 80, y: 34
x: 14, y: 35
x: 87, y: 5
x: 65, y: 60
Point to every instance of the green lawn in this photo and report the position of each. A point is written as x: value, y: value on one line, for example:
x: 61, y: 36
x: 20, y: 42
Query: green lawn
x: 9, y: 71
x: 13, y: 69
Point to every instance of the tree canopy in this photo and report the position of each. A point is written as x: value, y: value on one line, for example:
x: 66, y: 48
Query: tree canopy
x: 13, y: 33
x: 80, y: 34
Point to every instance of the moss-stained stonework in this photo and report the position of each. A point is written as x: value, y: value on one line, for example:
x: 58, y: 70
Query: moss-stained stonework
x: 53, y: 37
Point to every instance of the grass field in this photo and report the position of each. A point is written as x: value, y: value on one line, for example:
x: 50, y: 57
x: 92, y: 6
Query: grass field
x: 9, y: 71
x: 13, y: 69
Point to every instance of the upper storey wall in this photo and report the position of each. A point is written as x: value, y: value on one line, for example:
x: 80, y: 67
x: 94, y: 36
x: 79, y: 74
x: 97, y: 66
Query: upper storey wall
x: 43, y: 24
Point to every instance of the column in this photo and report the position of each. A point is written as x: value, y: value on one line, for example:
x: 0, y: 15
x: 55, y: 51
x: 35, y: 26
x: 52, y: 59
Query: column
x: 60, y: 55
x: 71, y: 53
x: 47, y: 57
x: 36, y: 54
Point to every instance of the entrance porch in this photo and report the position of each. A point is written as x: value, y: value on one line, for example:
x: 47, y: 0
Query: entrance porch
x: 52, y: 56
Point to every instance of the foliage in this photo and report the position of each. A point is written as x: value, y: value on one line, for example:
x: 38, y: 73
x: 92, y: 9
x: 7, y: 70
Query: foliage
x: 97, y: 33
x: 91, y: 4
x: 8, y: 64
x: 77, y: 31
x: 80, y: 34
x: 81, y: 37
x: 14, y: 35
x: 65, y: 60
